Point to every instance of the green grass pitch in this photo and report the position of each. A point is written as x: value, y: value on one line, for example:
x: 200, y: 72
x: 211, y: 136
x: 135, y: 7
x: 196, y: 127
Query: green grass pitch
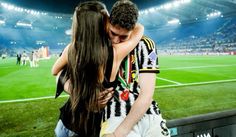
x: 186, y: 86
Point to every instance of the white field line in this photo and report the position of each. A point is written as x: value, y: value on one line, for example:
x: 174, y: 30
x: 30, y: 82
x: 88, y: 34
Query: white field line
x: 171, y: 81
x: 197, y: 83
x: 7, y: 67
x: 192, y: 67
x: 202, y: 107
x: 164, y: 86
x: 195, y: 67
x: 30, y: 99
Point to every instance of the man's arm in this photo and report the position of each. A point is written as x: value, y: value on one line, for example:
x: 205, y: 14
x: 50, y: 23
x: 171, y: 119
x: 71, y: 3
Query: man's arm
x: 140, y: 106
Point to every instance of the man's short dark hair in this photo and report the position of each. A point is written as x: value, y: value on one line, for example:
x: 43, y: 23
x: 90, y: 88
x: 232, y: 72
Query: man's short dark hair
x: 124, y: 13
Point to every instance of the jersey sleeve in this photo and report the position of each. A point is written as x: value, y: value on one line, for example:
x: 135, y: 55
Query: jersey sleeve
x: 147, y: 56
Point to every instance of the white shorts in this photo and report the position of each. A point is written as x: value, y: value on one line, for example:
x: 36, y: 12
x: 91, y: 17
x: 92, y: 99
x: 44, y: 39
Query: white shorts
x: 148, y: 126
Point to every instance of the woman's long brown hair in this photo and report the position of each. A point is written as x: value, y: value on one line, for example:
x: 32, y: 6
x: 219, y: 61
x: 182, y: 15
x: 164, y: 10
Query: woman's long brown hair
x: 87, y: 60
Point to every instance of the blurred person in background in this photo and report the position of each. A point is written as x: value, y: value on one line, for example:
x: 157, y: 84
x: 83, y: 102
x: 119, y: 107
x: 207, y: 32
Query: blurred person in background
x: 18, y: 59
x: 24, y: 58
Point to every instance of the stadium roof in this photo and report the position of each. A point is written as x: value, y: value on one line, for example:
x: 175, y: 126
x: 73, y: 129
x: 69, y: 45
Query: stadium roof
x: 153, y: 13
x: 190, y: 11
x: 67, y: 6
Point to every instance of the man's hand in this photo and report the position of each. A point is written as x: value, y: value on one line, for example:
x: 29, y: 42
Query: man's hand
x: 104, y: 97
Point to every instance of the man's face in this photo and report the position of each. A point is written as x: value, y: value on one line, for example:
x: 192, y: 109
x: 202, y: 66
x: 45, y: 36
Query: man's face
x: 118, y: 34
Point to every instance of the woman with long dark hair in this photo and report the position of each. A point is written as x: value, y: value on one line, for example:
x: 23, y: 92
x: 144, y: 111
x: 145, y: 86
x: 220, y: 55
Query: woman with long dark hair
x: 92, y: 62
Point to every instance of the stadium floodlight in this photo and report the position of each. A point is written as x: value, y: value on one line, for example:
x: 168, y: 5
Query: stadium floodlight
x: 168, y: 6
x: 145, y: 11
x: 151, y: 10
x: 174, y: 21
x: 176, y: 3
x: 2, y: 22
x: 140, y: 12
x: 40, y: 42
x: 58, y: 17
x: 161, y: 7
x: 23, y: 24
x: 61, y: 43
x: 34, y: 12
x: 9, y: 6
x: 12, y: 42
x: 68, y: 32
x: 214, y: 14
x: 44, y: 13
x: 19, y: 9
x: 186, y: 1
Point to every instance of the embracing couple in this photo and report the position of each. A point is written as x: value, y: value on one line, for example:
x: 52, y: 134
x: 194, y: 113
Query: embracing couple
x: 109, y: 70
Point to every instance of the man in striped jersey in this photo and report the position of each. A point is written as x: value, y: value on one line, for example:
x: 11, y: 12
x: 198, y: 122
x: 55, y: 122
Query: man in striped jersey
x: 132, y: 112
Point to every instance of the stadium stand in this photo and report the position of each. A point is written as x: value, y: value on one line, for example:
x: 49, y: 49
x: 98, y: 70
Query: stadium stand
x: 210, y: 36
x: 30, y: 30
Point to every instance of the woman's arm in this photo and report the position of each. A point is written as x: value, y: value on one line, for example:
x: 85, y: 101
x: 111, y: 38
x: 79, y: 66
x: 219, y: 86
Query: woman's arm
x: 61, y: 61
x: 124, y: 48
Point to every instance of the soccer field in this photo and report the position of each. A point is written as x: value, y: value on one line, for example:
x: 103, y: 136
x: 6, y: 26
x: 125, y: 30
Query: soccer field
x: 191, y: 85
x: 186, y: 86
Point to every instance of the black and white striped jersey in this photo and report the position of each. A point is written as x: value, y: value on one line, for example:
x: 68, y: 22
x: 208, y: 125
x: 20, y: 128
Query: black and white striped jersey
x: 143, y: 59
